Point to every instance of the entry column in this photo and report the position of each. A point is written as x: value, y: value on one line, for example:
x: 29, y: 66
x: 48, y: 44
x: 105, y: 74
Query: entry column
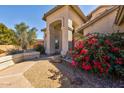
x: 48, y: 40
x: 67, y: 37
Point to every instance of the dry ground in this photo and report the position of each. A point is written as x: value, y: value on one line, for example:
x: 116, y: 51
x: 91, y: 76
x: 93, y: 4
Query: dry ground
x: 45, y: 74
x: 38, y: 74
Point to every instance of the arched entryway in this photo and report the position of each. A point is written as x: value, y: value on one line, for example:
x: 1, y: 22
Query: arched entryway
x: 55, y: 37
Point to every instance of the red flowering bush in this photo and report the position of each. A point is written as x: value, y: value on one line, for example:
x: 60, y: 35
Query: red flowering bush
x: 98, y: 53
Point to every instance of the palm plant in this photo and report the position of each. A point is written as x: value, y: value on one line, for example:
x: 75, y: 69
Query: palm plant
x: 32, y: 36
x: 24, y: 37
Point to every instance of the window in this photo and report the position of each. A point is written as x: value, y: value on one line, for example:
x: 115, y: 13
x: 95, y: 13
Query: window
x: 56, y: 44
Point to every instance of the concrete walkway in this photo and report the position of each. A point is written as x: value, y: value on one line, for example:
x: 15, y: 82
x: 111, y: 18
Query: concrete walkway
x: 13, y: 76
x: 29, y: 74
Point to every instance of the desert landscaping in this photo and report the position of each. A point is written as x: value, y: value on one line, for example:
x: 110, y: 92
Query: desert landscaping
x: 77, y: 50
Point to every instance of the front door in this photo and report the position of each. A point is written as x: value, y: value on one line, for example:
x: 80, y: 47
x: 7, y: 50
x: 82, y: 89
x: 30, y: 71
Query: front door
x: 57, y: 46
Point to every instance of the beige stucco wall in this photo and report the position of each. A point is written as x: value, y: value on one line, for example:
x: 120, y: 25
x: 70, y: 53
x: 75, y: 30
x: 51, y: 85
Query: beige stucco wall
x: 99, y: 11
x: 61, y: 15
x: 65, y: 13
x: 76, y: 19
x: 69, y: 19
x: 121, y: 27
x: 103, y: 25
x: 45, y: 35
x: 57, y: 15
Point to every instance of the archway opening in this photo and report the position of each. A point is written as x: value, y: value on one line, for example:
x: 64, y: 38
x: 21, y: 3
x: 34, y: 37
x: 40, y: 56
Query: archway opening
x: 55, y: 37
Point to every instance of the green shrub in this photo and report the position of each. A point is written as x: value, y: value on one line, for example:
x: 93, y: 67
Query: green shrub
x: 40, y: 48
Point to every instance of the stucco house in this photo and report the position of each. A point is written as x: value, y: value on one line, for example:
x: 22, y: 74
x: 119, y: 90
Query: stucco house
x: 65, y: 20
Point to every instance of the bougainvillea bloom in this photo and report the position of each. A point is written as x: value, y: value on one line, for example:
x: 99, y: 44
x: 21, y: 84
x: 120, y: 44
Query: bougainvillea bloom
x: 106, y: 58
x: 98, y: 54
x: 96, y: 63
x: 84, y: 51
x: 88, y: 34
x: 92, y: 41
x: 79, y: 45
x: 115, y: 49
x: 74, y: 63
x: 86, y: 58
x: 108, y: 42
x: 119, y: 61
x: 86, y: 67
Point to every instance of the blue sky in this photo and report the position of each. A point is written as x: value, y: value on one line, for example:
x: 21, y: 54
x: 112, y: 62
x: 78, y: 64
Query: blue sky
x: 31, y: 15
